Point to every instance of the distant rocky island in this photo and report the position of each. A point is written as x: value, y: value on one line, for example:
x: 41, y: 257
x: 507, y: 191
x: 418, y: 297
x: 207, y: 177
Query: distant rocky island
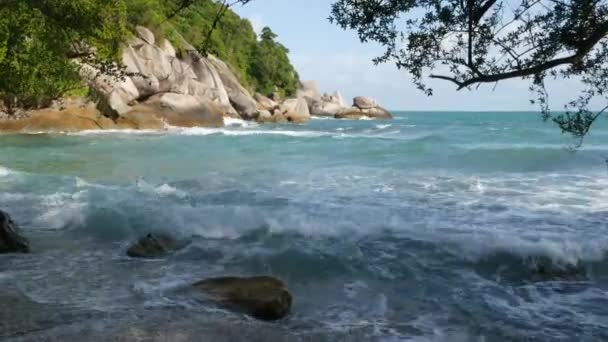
x: 164, y: 87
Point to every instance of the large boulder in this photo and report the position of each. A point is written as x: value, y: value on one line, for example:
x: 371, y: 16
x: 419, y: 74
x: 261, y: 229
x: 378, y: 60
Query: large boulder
x: 145, y: 34
x: 10, y: 239
x: 355, y: 113
x: 240, y: 98
x: 265, y: 103
x: 364, y: 102
x: 328, y: 105
x: 364, y: 107
x: 156, y: 69
x: 71, y: 119
x: 153, y: 246
x: 263, y: 297
x: 325, y: 109
x: 295, y: 110
x: 308, y: 89
x: 208, y: 76
x: 175, y: 110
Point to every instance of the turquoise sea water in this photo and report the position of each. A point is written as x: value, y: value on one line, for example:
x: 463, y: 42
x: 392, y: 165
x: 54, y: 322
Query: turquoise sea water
x: 431, y: 227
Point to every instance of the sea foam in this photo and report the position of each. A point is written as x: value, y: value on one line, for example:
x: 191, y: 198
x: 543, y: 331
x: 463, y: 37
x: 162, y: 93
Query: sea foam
x: 5, y: 171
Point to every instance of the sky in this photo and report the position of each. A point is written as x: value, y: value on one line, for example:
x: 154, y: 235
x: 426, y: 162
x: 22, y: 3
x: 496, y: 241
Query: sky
x: 337, y: 60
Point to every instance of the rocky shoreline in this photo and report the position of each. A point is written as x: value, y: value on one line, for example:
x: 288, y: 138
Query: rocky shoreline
x: 166, y: 87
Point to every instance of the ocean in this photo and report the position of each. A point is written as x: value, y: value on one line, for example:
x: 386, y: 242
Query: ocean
x: 435, y: 226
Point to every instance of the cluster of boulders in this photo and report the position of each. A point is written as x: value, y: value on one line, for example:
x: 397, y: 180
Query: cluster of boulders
x: 162, y: 86
x: 364, y: 107
x: 262, y: 297
x: 333, y: 105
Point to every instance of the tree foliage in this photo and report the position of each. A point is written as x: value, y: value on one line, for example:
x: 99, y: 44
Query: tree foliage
x: 261, y: 64
x: 270, y: 67
x: 40, y: 38
x: 37, y: 38
x: 474, y: 42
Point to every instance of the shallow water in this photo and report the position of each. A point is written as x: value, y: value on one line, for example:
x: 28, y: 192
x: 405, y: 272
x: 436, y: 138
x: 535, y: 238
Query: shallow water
x: 431, y: 227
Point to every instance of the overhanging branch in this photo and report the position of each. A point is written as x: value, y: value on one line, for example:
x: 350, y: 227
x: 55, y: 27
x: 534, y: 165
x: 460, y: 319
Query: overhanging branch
x: 583, y: 49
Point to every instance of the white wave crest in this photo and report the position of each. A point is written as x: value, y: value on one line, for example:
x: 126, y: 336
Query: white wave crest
x: 233, y: 132
x: 118, y: 131
x: 383, y: 126
x: 232, y: 122
x: 5, y: 171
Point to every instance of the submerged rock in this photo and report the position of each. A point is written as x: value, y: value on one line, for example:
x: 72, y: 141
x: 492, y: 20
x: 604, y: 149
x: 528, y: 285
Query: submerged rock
x: 153, y: 246
x: 10, y: 239
x: 547, y: 270
x: 262, y: 297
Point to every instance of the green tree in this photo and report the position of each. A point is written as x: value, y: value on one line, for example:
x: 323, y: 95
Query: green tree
x: 271, y: 68
x: 41, y: 39
x: 37, y: 39
x: 475, y: 42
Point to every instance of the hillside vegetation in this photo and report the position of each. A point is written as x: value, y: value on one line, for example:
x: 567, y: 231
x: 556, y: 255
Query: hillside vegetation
x: 38, y: 39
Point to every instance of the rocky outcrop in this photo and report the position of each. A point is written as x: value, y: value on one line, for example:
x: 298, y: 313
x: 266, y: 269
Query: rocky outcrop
x: 265, y: 298
x: 328, y: 105
x: 290, y: 111
x: 364, y: 107
x: 70, y: 119
x: 309, y: 90
x: 320, y: 105
x: 265, y: 103
x: 364, y: 102
x: 239, y: 97
x: 180, y: 85
x: 153, y: 246
x: 10, y: 239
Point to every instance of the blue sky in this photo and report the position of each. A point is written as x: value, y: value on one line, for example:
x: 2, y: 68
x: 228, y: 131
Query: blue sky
x: 338, y: 61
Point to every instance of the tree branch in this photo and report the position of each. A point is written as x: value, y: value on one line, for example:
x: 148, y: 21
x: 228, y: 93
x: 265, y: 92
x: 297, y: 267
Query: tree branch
x: 584, y: 48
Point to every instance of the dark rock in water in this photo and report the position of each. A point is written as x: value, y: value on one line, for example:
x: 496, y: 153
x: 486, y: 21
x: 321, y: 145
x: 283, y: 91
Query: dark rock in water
x: 263, y: 297
x: 10, y: 239
x: 153, y: 246
x: 549, y: 271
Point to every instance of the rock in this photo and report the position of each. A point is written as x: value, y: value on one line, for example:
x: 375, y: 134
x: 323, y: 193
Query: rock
x: 295, y: 110
x: 175, y: 110
x: 206, y: 73
x: 275, y: 96
x: 152, y: 246
x: 113, y: 96
x: 168, y: 49
x: 308, y: 89
x: 364, y: 102
x: 145, y: 34
x: 325, y: 108
x: 364, y: 107
x: 357, y: 113
x: 552, y: 272
x: 262, y: 297
x: 141, y: 116
x: 72, y: 119
x: 338, y: 99
x: 264, y: 102
x: 239, y: 97
x: 264, y: 115
x: 10, y: 239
